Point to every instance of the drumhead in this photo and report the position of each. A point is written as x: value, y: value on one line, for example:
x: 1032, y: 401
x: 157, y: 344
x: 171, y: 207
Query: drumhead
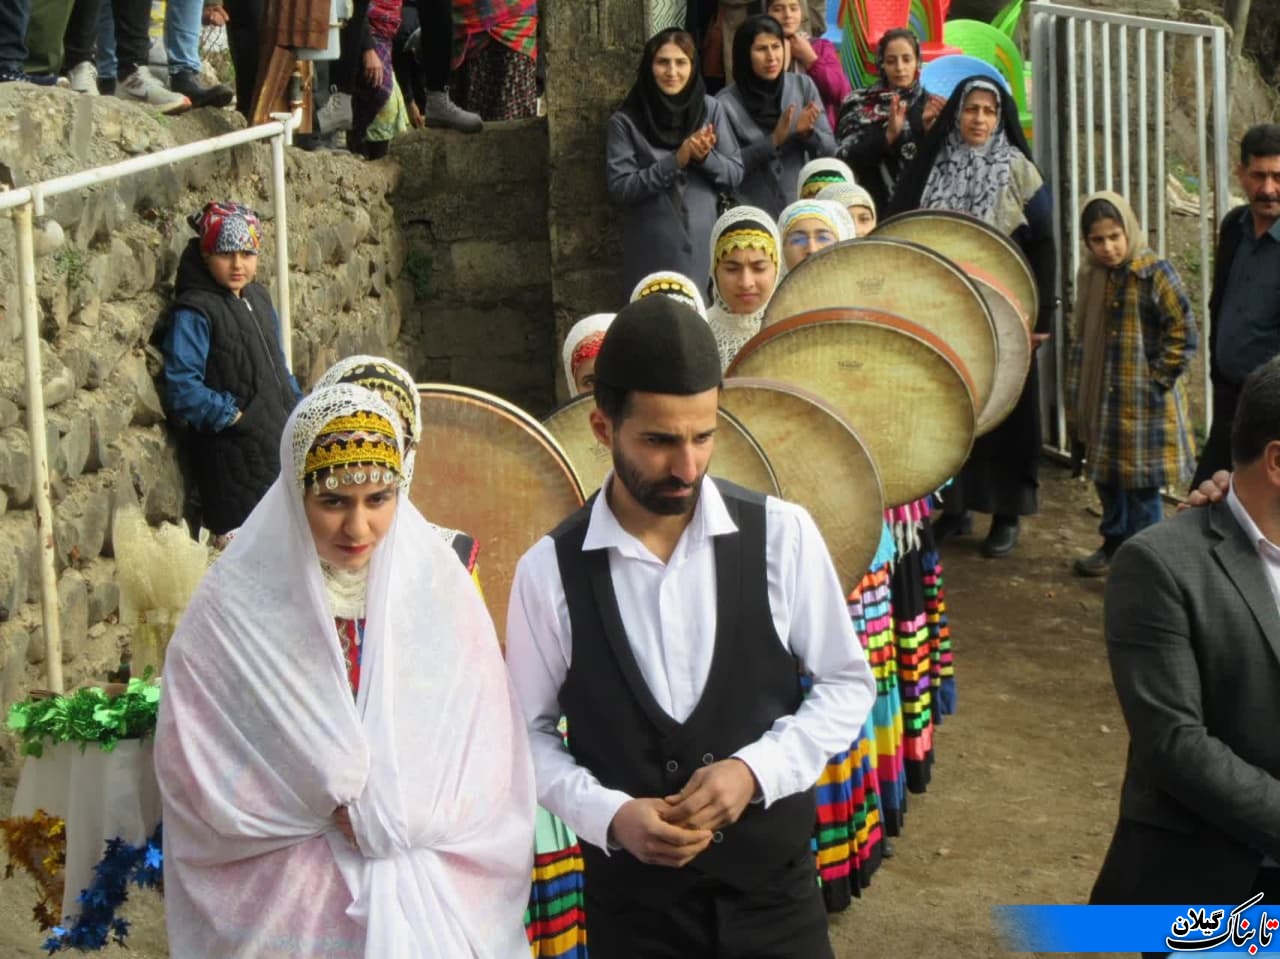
x: 489, y: 469
x: 901, y: 388
x: 970, y: 242
x: 737, y: 457
x: 1014, y: 349
x: 905, y: 279
x: 821, y: 463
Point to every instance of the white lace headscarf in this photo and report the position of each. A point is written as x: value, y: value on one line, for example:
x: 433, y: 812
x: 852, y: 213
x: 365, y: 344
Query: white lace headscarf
x: 822, y: 172
x: 589, y: 330
x: 675, y: 285
x: 741, y: 227
x: 848, y: 195
x: 260, y: 740
x: 835, y: 216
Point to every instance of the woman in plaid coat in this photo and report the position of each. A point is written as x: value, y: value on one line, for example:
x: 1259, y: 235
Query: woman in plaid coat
x: 1135, y: 335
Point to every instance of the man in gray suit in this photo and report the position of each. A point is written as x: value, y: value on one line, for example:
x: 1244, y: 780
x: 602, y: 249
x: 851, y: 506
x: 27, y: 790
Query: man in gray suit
x: 1193, y: 635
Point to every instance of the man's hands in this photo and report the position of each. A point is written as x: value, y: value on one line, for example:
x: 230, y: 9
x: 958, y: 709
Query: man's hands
x: 1212, y: 490
x: 638, y: 827
x: 713, y: 797
x: 673, y: 830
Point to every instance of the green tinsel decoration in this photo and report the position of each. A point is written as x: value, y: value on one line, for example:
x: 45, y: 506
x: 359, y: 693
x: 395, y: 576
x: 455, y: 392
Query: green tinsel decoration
x: 87, y: 716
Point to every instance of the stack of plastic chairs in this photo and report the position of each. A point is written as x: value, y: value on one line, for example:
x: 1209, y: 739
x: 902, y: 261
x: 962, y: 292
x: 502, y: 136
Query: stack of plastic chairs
x: 987, y: 43
x: 927, y: 19
x: 864, y: 22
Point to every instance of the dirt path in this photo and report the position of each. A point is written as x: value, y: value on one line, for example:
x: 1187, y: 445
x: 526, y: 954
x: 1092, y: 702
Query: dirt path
x: 1025, y: 787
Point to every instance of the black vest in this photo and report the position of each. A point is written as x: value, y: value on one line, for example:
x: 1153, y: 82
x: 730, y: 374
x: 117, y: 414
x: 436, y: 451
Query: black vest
x: 236, y: 466
x: 619, y: 733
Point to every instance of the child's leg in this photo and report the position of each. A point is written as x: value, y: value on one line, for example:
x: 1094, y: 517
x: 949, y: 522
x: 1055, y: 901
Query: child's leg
x: 1115, y: 515
x: 1143, y: 508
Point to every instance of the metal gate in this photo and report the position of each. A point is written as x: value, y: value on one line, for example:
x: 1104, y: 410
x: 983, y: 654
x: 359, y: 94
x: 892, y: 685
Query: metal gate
x: 1103, y: 85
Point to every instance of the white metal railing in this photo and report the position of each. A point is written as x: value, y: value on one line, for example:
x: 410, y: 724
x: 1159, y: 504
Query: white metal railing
x: 26, y: 205
x: 1129, y: 152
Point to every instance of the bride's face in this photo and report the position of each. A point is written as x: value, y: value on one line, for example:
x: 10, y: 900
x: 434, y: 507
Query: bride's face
x: 349, y: 522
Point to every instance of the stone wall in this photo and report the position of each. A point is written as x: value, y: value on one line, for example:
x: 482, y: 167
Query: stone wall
x: 106, y: 260
x: 472, y: 212
x: 592, y: 48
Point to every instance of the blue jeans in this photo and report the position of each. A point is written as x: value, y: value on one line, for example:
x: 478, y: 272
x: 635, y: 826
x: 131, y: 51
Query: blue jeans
x: 1128, y: 511
x: 181, y: 37
x: 14, y: 15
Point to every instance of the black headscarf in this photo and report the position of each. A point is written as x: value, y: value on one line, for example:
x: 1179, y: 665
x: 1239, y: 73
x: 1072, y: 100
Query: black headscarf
x: 763, y: 98
x: 666, y: 120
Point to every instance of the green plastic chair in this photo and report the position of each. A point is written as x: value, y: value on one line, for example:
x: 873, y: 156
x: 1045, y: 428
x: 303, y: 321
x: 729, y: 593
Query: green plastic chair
x: 988, y: 44
x: 1006, y: 21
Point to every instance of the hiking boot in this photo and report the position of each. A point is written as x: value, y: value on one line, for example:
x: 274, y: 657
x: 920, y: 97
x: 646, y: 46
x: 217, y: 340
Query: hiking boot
x: 1002, y: 538
x: 141, y: 86
x: 187, y: 82
x: 440, y: 111
x: 83, y: 78
x: 1097, y: 563
x: 36, y: 79
x: 335, y: 115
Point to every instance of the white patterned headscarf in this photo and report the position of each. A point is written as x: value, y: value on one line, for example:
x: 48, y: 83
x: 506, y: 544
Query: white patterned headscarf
x: 739, y: 228
x: 675, y: 285
x: 819, y: 173
x: 835, y: 216
x: 847, y: 195
x: 581, y: 344
x: 394, y: 385
x: 970, y: 179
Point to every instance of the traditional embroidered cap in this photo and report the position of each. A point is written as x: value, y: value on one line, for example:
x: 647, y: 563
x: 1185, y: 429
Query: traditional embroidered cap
x: 672, y: 284
x: 833, y: 215
x: 659, y: 345
x: 847, y: 195
x: 389, y: 380
x: 227, y: 228
x: 821, y: 172
x: 353, y: 447
x: 583, y: 343
x: 743, y: 228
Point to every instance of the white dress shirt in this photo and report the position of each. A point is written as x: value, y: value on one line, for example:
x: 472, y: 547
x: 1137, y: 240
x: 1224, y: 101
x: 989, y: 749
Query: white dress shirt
x: 669, y: 613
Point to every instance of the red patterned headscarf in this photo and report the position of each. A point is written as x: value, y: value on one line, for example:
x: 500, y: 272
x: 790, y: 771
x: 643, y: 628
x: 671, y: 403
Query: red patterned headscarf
x: 227, y: 228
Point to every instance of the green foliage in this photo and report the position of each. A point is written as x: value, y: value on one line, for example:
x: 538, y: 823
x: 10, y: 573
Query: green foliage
x: 417, y: 264
x: 70, y: 262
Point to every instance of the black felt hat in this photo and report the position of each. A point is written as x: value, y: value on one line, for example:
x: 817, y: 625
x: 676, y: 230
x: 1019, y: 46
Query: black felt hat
x: 658, y: 345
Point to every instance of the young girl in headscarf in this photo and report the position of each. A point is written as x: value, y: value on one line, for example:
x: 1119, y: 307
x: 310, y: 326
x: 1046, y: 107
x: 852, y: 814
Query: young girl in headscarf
x: 581, y: 347
x: 817, y: 174
x: 1135, y: 335
x: 857, y: 200
x: 882, y: 126
x: 776, y: 116
x: 810, y: 226
x: 976, y: 161
x: 342, y: 768
x: 670, y: 156
x: 746, y: 262
x: 811, y: 56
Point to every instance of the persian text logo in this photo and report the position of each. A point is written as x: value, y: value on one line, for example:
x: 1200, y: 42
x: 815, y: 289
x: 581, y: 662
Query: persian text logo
x: 1198, y: 929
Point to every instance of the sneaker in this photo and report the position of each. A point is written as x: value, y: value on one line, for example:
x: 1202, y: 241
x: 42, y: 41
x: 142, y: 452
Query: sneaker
x: 187, y: 82
x: 83, y: 78
x: 37, y: 79
x: 1095, y: 564
x: 335, y: 115
x: 142, y: 86
x: 440, y: 111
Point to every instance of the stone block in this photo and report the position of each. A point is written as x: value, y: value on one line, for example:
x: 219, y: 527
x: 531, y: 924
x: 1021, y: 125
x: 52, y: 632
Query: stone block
x: 104, y: 592
x: 361, y: 223
x: 490, y: 269
x: 15, y: 638
x: 133, y: 264
x: 129, y: 322
x: 19, y: 566
x: 15, y: 465
x: 346, y: 235
x: 134, y: 376
x: 9, y: 413
x: 74, y: 445
x: 73, y: 613
x: 107, y: 420
x: 80, y: 525
x: 58, y: 381
x: 509, y: 152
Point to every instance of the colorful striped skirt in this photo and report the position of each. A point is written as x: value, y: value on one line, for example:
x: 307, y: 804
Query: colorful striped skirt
x: 556, y: 918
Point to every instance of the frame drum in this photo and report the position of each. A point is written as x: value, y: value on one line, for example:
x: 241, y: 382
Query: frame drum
x: 488, y: 468
x: 911, y: 282
x: 737, y: 456
x: 821, y: 464
x: 971, y: 243
x: 1015, y: 353
x: 901, y: 388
